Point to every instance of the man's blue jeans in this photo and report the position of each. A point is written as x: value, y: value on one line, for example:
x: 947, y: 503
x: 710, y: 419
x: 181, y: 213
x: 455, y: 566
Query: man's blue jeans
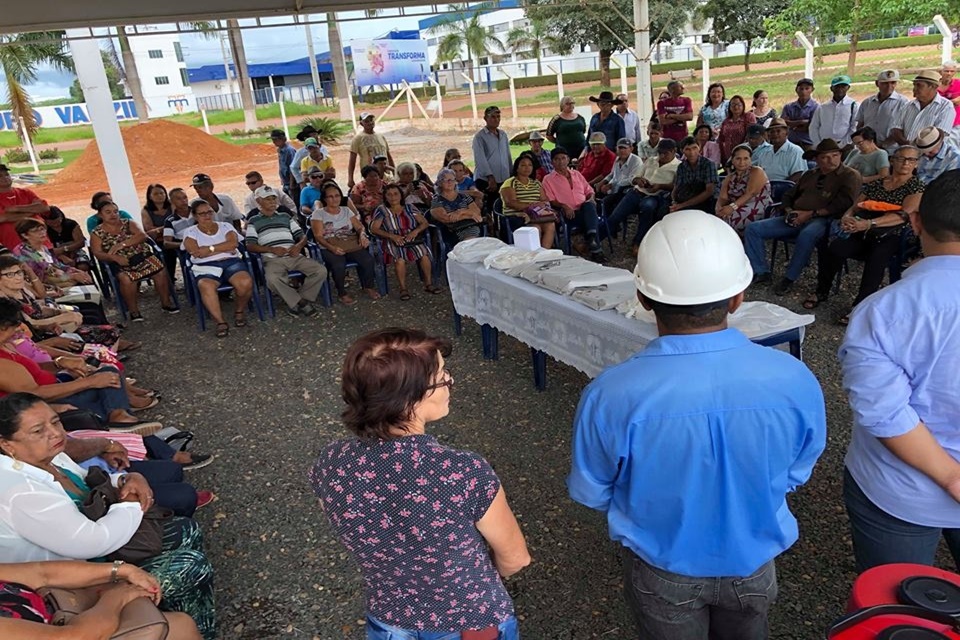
x: 379, y: 630
x: 649, y: 209
x: 669, y: 605
x: 585, y: 218
x: 806, y: 238
x: 880, y: 538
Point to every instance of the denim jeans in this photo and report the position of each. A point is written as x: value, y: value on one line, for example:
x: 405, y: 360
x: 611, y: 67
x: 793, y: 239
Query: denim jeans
x: 585, y: 218
x: 669, y: 606
x: 101, y: 401
x: 880, y: 538
x: 806, y: 238
x: 379, y: 630
x: 649, y: 210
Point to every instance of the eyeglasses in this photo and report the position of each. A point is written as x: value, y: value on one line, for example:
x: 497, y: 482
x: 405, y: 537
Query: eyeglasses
x: 12, y: 274
x: 906, y: 160
x: 447, y: 380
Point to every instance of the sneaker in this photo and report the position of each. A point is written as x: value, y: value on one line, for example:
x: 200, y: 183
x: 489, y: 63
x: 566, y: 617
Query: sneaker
x: 783, y: 286
x: 205, y: 497
x: 139, y: 428
x: 199, y: 460
x: 293, y: 311
x: 171, y: 310
x: 308, y: 309
x: 761, y: 279
x: 136, y: 317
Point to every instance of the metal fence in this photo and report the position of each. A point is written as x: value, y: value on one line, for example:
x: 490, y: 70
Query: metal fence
x: 300, y: 93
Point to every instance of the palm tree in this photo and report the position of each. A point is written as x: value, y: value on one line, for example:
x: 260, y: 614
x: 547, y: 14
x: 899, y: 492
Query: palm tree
x: 131, y: 75
x: 20, y: 55
x: 536, y: 38
x: 462, y: 31
x: 243, y: 76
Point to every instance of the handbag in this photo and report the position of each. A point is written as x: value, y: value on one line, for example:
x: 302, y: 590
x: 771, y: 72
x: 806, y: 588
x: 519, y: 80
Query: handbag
x: 147, y: 540
x: 348, y: 244
x: 540, y: 212
x: 139, y: 620
x: 80, y: 419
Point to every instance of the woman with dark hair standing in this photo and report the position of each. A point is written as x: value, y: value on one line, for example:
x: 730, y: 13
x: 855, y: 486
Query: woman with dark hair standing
x: 761, y: 108
x: 714, y: 108
x: 394, y: 493
x: 733, y: 131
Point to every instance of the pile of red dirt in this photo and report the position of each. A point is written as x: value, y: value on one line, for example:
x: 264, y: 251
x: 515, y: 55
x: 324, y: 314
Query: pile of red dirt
x: 161, y: 147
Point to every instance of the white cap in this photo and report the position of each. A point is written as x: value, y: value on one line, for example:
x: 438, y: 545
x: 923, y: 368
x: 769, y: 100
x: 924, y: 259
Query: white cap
x: 691, y: 258
x: 265, y: 191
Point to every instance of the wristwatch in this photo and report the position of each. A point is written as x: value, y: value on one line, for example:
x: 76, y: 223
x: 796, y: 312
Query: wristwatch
x: 212, y: 249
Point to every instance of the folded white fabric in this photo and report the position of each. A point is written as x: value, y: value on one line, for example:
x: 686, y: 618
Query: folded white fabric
x: 580, y: 273
x: 475, y: 249
x: 536, y: 258
x: 606, y: 296
x: 534, y: 271
x: 512, y: 256
x: 604, y: 276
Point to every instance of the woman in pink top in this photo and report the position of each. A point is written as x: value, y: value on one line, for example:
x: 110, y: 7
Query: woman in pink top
x: 733, y: 131
x: 950, y: 89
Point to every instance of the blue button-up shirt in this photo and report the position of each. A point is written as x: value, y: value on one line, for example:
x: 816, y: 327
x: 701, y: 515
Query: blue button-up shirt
x: 947, y: 159
x: 780, y: 164
x: 613, y: 128
x: 691, y: 446
x: 899, y: 359
x: 796, y: 111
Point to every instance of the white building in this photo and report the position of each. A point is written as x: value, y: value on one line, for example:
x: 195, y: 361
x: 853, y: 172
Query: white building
x: 163, y: 72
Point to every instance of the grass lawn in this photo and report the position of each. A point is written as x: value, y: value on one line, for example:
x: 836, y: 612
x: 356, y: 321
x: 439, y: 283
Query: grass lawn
x: 66, y: 157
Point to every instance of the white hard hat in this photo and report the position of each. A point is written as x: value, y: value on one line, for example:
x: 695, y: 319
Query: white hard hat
x: 691, y: 258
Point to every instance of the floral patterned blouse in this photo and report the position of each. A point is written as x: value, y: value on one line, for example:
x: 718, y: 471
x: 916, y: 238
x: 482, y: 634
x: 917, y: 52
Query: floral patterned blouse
x: 407, y: 508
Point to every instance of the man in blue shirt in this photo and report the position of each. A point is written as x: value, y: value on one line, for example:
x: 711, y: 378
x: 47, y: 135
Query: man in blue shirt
x: 799, y: 113
x: 285, y: 154
x: 691, y: 445
x: 608, y: 122
x: 899, y: 358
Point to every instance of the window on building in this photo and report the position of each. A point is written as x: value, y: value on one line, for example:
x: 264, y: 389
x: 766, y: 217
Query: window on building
x: 155, y: 53
x: 178, y: 51
x: 432, y: 42
x: 500, y: 28
x: 184, y: 77
x: 161, y: 80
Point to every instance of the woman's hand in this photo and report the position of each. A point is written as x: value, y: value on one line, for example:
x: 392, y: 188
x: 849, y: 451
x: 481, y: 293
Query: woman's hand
x: 104, y: 380
x: 364, y: 240
x: 337, y: 251
x: 136, y: 489
x: 726, y: 210
x: 140, y: 578
x: 116, y: 456
x: 67, y: 344
x: 410, y: 237
x: 848, y: 224
x: 120, y: 260
x: 115, y: 249
x: 398, y: 239
x: 121, y: 595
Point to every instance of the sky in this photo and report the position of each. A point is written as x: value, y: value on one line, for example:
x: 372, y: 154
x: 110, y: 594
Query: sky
x: 267, y: 44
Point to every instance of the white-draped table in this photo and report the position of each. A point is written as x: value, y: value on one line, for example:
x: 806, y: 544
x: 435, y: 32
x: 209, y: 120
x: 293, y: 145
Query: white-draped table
x: 584, y: 338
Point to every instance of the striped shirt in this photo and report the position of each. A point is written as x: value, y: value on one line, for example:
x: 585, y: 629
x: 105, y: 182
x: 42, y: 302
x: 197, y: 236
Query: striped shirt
x: 881, y: 116
x: 174, y: 226
x: 939, y: 113
x: 525, y: 194
x: 947, y: 159
x: 278, y: 230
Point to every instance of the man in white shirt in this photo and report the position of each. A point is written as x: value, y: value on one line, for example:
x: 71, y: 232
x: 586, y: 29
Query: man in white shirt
x: 881, y: 110
x: 927, y: 109
x: 616, y: 184
x: 837, y: 118
x: 224, y: 208
x: 631, y: 121
x: 254, y: 180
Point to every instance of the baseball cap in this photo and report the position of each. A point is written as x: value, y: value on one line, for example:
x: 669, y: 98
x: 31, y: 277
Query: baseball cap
x: 805, y: 81
x: 311, y: 142
x: 364, y: 115
x: 378, y: 158
x: 625, y: 142
x: 201, y: 178
x: 265, y: 191
x: 888, y: 75
x: 840, y: 80
x: 314, y: 171
x: 277, y: 133
x: 755, y: 130
x: 928, y: 76
x: 535, y: 135
x: 597, y: 137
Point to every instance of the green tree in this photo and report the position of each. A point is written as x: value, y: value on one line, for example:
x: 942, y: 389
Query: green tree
x: 461, y: 31
x: 536, y: 38
x: 20, y: 55
x: 113, y: 79
x: 856, y: 17
x: 608, y: 27
x: 736, y: 21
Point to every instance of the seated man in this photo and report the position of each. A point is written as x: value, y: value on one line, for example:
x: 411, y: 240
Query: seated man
x: 278, y: 237
x: 648, y: 148
x: 781, y: 159
x: 820, y: 195
x: 568, y: 193
x: 542, y: 155
x: 254, y: 180
x: 620, y: 179
x: 652, y: 185
x: 937, y: 154
x: 381, y: 162
x: 696, y: 170
x: 757, y: 137
x: 598, y: 160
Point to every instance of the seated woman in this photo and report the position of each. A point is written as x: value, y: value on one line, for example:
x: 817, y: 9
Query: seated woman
x: 520, y: 193
x: 124, y: 245
x: 153, y: 216
x: 871, y: 161
x: 395, y: 382
x: 368, y: 193
x: 67, y: 240
x: 24, y: 614
x: 403, y: 230
x: 342, y: 238
x: 465, y: 180
x: 214, y: 251
x: 101, y: 392
x: 745, y: 193
x: 708, y: 147
x: 32, y: 252
x: 453, y: 155
x: 870, y: 230
x: 417, y: 190
x: 95, y: 201
x: 40, y: 488
x: 458, y: 213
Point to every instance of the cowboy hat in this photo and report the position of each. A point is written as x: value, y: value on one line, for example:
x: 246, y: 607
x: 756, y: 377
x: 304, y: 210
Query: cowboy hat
x: 826, y: 146
x: 605, y: 96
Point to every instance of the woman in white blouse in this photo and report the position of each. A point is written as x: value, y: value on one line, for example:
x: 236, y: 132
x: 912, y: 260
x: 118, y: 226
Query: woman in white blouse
x: 40, y: 488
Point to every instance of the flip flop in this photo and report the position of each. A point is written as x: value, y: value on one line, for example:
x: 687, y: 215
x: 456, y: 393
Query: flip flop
x: 223, y: 329
x: 239, y: 319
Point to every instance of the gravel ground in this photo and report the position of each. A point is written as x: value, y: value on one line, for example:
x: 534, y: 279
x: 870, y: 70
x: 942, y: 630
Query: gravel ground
x: 267, y: 398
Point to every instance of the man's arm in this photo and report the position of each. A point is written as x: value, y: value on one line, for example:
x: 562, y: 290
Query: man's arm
x: 351, y: 168
x: 846, y: 195
x: 594, y: 469
x: 814, y: 127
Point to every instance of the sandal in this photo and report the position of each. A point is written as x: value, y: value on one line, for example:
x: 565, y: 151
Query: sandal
x: 404, y: 294
x: 153, y: 402
x: 239, y: 319
x: 432, y: 288
x: 347, y: 299
x: 223, y: 329
x: 813, y: 301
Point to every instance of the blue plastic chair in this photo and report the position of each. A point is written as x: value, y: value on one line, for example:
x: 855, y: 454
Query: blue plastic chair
x: 260, y: 279
x: 380, y: 278
x: 193, y: 290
